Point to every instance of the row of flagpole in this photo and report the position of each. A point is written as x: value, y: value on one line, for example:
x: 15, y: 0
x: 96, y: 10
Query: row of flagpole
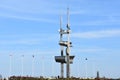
x: 22, y: 65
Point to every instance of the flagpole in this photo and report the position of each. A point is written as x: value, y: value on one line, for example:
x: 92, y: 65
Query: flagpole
x: 10, y: 65
x: 22, y: 61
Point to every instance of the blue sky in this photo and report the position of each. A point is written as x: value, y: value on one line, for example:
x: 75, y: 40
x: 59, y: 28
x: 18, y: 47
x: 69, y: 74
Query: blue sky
x: 30, y: 27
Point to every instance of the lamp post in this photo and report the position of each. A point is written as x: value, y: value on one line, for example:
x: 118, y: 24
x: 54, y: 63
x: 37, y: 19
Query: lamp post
x: 22, y: 64
x: 78, y: 68
x: 43, y: 66
x: 93, y: 69
x: 33, y: 65
x: 52, y: 68
x: 86, y: 68
x: 10, y: 65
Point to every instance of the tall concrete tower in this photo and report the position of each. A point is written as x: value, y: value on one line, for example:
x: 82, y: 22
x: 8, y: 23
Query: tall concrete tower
x: 68, y: 46
x: 67, y: 59
x: 62, y: 48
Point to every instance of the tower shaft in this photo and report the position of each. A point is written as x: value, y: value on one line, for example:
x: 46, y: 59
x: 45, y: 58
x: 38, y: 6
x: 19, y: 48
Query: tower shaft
x: 62, y: 64
x: 62, y: 48
x: 68, y: 67
x: 68, y: 46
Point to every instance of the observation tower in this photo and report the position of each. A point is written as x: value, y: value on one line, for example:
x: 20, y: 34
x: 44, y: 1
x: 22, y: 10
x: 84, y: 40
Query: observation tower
x: 65, y: 59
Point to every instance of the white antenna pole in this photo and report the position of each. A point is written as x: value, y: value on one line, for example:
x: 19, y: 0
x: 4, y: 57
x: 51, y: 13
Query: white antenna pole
x: 68, y: 22
x: 68, y: 16
x: 68, y: 26
x: 60, y: 22
x: 68, y: 55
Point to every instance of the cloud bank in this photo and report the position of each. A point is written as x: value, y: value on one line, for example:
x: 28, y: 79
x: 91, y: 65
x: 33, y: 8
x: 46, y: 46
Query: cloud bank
x: 97, y: 34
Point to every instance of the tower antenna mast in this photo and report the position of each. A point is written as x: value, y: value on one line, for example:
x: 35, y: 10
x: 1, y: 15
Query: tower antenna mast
x: 68, y: 19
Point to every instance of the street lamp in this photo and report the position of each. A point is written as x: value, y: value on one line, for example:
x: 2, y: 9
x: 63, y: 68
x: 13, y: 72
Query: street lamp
x: 78, y: 70
x: 33, y: 65
x: 10, y: 65
x: 43, y: 66
x: 53, y: 68
x: 22, y: 64
x: 86, y: 68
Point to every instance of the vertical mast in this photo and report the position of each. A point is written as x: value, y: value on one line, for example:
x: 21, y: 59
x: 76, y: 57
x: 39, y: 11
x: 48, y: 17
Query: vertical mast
x: 62, y: 64
x: 61, y: 28
x: 68, y: 23
x: 68, y: 46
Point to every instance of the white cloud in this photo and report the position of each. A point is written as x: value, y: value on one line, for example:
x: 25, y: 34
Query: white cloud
x: 19, y: 41
x: 77, y: 12
x: 92, y: 50
x: 103, y: 22
x: 97, y: 34
x: 28, y: 10
x: 30, y: 18
x: 26, y: 6
x: 26, y: 39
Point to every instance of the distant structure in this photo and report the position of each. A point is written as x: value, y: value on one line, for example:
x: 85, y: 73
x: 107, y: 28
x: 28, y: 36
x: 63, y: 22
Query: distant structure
x: 98, y: 75
x: 65, y: 59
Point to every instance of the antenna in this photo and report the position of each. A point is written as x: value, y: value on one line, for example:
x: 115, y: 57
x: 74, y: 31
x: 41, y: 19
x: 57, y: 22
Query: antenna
x: 68, y: 23
x: 60, y: 22
x: 61, y: 28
